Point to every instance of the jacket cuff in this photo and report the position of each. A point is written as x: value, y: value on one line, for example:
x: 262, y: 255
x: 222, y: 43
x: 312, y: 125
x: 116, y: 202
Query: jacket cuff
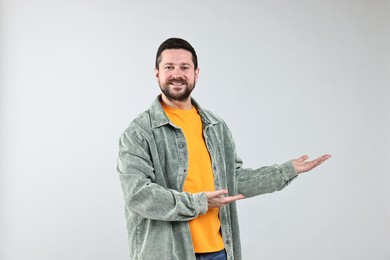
x: 201, y: 204
x: 288, y: 171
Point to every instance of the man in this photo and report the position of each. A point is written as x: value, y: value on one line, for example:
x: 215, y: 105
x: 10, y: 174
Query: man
x: 180, y: 173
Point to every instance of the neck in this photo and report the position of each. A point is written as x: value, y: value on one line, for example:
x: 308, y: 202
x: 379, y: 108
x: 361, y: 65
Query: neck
x: 184, y: 105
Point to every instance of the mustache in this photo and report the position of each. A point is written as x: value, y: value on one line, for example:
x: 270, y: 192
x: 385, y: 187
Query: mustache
x: 179, y: 80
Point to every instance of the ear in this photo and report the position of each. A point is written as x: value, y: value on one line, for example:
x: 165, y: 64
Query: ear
x: 156, y: 73
x: 196, y: 74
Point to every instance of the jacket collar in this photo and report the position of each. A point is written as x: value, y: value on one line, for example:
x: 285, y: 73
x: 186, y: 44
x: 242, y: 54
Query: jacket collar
x: 159, y: 118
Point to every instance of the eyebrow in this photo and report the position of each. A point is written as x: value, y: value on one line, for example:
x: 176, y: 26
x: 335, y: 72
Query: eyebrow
x: 181, y: 64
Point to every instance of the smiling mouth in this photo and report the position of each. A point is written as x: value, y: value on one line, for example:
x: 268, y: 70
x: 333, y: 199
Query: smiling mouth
x: 177, y: 83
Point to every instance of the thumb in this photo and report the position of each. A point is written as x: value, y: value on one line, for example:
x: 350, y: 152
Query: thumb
x: 303, y: 158
x: 216, y: 194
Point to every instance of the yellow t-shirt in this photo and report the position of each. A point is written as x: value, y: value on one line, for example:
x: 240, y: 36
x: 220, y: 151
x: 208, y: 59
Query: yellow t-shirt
x: 205, y: 229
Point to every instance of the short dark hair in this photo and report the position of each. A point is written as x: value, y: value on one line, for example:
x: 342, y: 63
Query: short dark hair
x: 176, y: 43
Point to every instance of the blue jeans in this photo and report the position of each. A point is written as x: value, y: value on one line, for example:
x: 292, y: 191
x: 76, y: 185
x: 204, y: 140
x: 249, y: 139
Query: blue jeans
x: 220, y: 255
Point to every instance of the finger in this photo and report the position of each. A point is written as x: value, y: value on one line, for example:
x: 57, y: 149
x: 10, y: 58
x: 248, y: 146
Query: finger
x: 221, y: 201
x: 303, y: 158
x: 215, y: 194
x: 323, y: 158
x: 221, y: 192
x: 318, y: 161
x: 230, y: 199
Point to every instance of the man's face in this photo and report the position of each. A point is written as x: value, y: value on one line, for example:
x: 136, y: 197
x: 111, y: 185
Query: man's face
x: 176, y: 74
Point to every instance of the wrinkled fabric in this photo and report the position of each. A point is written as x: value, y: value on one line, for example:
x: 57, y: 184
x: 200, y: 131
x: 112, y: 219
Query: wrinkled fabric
x: 152, y: 168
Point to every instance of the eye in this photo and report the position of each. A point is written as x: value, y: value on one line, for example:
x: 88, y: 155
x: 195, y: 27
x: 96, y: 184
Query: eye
x: 168, y: 67
x: 185, y: 67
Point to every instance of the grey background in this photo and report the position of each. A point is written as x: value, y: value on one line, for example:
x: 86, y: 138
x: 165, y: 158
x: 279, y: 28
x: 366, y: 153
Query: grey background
x: 289, y: 77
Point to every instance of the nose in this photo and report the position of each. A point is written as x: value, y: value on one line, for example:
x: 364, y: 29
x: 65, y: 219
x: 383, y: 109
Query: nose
x: 176, y: 73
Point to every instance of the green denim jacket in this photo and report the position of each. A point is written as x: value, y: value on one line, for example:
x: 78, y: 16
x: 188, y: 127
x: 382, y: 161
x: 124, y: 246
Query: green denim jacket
x: 152, y: 168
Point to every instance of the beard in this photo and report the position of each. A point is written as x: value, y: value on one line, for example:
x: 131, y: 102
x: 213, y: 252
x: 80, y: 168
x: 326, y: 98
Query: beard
x: 170, y: 89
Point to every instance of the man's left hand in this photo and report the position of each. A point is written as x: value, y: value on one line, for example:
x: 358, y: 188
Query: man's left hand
x: 301, y: 165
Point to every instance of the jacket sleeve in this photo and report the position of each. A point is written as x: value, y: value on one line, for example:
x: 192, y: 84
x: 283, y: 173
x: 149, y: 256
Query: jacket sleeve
x: 267, y: 179
x: 142, y: 195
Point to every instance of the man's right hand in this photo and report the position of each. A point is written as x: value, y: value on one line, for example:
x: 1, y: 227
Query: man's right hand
x: 217, y: 199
